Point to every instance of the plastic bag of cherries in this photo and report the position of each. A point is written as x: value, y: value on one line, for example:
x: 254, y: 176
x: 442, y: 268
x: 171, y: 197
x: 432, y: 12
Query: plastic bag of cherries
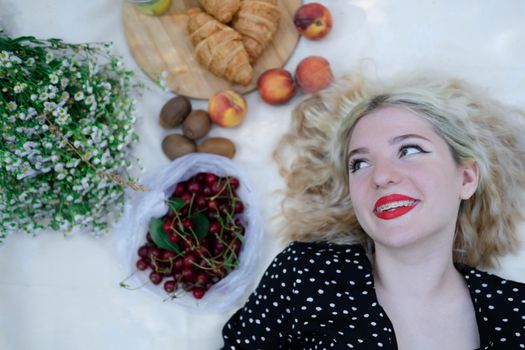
x: 193, y: 239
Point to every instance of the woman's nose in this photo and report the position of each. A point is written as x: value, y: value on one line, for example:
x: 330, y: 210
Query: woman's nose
x: 385, y: 173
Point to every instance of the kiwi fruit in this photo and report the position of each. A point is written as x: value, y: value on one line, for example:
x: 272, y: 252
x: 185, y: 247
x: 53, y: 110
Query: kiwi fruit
x: 196, y: 125
x: 176, y: 145
x: 217, y: 145
x: 174, y: 112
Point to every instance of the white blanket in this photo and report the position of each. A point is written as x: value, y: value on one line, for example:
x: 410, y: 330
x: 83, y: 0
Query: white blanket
x: 62, y: 293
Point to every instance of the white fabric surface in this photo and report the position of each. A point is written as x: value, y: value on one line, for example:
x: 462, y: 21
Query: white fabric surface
x: 63, y: 292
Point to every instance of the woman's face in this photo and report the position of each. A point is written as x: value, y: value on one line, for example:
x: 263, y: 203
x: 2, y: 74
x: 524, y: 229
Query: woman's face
x: 405, y: 186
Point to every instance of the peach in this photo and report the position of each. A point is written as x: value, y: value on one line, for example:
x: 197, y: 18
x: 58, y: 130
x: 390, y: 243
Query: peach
x: 313, y: 21
x: 227, y: 108
x: 313, y: 73
x: 276, y: 86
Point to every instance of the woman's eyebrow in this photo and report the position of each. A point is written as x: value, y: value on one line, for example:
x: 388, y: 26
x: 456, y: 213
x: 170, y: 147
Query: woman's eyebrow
x: 359, y: 150
x: 397, y: 139
x: 400, y: 138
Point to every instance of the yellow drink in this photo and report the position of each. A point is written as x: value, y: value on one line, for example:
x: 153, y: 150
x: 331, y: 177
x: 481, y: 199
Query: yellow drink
x: 152, y: 7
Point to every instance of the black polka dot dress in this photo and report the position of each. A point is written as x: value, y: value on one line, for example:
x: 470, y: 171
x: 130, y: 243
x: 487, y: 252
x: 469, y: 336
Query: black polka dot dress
x: 321, y: 296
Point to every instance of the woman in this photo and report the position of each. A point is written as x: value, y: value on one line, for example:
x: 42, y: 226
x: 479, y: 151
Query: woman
x: 396, y: 195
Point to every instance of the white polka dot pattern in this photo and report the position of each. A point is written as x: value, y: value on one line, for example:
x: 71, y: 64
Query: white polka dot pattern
x: 321, y: 296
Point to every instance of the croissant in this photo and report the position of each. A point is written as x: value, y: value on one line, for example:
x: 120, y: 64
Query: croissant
x: 223, y: 10
x: 219, y: 48
x: 257, y: 21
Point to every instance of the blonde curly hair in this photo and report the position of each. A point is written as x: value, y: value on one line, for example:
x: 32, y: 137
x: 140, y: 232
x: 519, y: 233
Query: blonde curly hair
x: 312, y: 158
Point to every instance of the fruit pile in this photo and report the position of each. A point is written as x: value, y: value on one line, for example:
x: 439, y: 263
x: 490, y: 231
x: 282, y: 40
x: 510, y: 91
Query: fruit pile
x: 277, y: 86
x: 196, y: 124
x: 198, y: 241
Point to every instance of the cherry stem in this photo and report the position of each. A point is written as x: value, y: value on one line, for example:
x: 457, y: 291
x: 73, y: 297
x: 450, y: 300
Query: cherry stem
x: 183, y: 236
x: 210, y: 262
x: 124, y: 285
x: 226, y: 185
x: 154, y: 262
x: 171, y: 296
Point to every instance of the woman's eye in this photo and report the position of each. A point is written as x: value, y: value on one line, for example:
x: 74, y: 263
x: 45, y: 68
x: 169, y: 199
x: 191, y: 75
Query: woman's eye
x: 357, y: 164
x: 410, y: 149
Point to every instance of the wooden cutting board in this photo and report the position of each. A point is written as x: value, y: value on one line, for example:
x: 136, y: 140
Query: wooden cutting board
x: 161, y: 44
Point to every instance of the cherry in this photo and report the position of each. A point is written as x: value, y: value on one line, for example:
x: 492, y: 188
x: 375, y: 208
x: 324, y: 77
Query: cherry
x: 177, y: 275
x: 212, y: 215
x: 166, y: 226
x: 213, y: 205
x: 201, y: 177
x: 202, y: 278
x: 188, y: 274
x: 168, y: 255
x: 179, y: 189
x: 200, y: 201
x: 178, y: 265
x: 186, y: 197
x: 154, y: 253
x: 184, y: 211
x: 204, y: 264
x: 211, y: 179
x: 203, y: 251
x: 188, y: 243
x: 218, y: 248
x: 198, y: 293
x: 142, y: 264
x: 189, y: 260
x: 239, y: 207
x: 227, y: 235
x: 215, y: 188
x: 206, y: 191
x: 143, y: 251
x: 214, y: 227
x: 155, y: 277
x: 223, y: 207
x: 174, y: 238
x: 194, y: 187
x: 205, y: 241
x: 148, y: 238
x: 234, y: 183
x: 169, y: 286
x: 187, y: 224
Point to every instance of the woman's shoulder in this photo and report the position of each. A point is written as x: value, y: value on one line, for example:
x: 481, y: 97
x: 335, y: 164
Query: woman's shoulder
x: 494, y: 295
x: 319, y: 250
x: 499, y: 304
x: 321, y: 257
x: 478, y: 281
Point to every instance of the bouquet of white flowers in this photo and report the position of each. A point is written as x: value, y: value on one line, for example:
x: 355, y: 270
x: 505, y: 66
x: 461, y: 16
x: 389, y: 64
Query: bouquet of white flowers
x: 66, y: 127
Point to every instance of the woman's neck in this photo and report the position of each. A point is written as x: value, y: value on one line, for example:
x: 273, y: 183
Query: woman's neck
x: 425, y: 297
x: 415, y: 272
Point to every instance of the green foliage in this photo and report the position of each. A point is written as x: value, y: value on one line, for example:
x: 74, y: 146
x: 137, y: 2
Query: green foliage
x: 160, y: 237
x: 66, y: 128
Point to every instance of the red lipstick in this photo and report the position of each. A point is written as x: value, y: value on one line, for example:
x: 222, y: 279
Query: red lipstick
x: 393, y: 206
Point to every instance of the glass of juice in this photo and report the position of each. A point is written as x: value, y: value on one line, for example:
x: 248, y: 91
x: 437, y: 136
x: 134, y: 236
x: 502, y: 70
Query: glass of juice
x: 152, y: 7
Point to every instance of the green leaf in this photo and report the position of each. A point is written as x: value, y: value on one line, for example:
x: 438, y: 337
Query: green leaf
x: 175, y: 204
x: 239, y: 236
x: 201, y: 224
x: 231, y: 262
x: 160, y: 237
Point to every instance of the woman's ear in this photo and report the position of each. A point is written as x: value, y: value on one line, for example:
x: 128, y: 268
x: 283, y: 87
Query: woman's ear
x: 470, y: 172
